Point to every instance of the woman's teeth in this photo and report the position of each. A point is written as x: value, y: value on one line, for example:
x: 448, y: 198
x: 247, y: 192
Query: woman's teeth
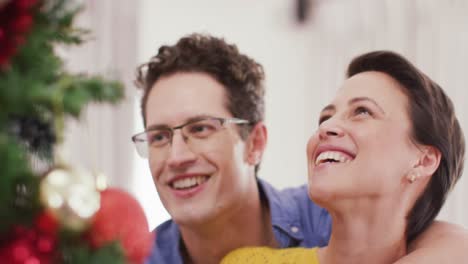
x: 332, y: 156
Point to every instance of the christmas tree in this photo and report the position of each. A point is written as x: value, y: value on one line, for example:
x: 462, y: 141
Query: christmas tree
x: 61, y: 214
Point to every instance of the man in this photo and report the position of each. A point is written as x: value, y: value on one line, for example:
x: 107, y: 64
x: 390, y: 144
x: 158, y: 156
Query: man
x: 203, y: 110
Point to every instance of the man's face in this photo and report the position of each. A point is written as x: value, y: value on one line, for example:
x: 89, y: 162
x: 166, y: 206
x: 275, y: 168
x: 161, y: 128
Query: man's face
x: 197, y: 182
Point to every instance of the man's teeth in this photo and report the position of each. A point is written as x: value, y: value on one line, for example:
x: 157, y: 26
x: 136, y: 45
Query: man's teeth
x: 334, y: 156
x: 189, y: 182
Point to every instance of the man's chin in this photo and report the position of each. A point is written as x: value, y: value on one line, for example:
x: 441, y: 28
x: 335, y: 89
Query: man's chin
x: 195, y: 218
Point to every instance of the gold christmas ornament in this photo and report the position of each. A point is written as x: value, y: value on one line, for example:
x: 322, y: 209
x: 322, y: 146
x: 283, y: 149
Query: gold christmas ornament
x: 71, y: 195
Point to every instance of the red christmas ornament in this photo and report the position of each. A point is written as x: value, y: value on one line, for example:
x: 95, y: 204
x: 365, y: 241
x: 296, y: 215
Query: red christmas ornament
x: 47, y: 224
x: 25, y: 4
x: 16, y: 19
x: 22, y: 23
x: 121, y: 217
x: 31, y: 245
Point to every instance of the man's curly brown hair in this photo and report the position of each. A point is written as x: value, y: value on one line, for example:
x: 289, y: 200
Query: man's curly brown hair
x: 241, y: 76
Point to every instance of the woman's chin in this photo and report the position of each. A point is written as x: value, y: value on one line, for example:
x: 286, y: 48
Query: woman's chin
x: 321, y: 195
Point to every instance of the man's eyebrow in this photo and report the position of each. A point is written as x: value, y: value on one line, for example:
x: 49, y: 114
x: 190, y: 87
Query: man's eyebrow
x: 188, y: 120
x: 156, y: 126
x: 365, y: 98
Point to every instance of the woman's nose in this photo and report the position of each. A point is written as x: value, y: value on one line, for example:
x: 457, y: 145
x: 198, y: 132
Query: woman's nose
x: 330, y: 128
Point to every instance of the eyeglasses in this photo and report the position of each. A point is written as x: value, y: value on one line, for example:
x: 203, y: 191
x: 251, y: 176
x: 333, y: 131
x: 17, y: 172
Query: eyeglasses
x: 194, y: 131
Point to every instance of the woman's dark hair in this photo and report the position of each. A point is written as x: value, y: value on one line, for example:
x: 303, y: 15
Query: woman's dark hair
x: 433, y: 124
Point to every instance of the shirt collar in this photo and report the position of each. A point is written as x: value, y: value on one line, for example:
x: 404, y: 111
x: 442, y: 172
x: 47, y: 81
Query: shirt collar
x: 283, y: 210
x: 168, y: 244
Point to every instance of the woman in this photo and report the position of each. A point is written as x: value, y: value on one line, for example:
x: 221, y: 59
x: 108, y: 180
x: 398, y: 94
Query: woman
x: 387, y: 151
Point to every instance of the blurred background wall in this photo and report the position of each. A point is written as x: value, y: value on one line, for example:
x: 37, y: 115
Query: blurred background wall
x: 304, y: 54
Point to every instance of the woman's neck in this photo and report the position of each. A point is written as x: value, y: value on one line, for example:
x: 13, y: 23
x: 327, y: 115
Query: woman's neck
x: 366, y: 232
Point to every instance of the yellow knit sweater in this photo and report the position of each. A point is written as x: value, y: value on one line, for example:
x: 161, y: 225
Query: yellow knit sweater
x: 261, y: 255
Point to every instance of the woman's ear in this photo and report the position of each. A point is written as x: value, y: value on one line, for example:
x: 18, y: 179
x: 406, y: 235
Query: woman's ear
x: 428, y: 162
x: 256, y: 143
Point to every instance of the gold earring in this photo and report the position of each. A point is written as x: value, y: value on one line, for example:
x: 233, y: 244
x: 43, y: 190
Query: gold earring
x: 413, y: 177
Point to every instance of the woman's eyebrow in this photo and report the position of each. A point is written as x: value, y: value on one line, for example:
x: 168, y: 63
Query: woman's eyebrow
x: 367, y: 99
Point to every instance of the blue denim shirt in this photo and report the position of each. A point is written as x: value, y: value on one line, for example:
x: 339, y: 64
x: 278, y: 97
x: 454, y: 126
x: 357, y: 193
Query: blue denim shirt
x: 296, y: 220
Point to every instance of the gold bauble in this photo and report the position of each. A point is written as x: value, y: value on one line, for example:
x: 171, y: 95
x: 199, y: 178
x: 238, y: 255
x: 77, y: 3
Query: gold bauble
x: 72, y: 196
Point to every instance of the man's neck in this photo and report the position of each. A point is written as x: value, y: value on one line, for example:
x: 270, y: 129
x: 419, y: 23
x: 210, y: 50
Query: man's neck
x: 249, y: 224
x: 371, y: 235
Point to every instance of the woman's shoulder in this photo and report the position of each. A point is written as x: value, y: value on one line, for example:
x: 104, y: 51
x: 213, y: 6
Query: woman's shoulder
x: 254, y: 255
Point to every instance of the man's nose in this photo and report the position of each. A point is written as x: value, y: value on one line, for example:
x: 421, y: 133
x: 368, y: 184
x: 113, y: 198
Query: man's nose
x: 180, y: 153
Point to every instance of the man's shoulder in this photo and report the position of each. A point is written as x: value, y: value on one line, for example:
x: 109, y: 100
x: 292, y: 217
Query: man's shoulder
x: 166, y: 244
x: 299, y: 193
x: 291, y: 197
x: 296, y: 214
x: 303, y: 205
x: 167, y: 228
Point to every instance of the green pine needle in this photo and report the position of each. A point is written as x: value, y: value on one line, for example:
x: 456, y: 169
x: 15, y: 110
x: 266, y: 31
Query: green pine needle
x: 35, y: 84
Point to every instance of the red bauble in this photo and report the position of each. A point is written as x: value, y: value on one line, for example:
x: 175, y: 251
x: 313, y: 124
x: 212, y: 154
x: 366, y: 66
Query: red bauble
x: 16, y: 19
x: 47, y: 223
x: 22, y: 23
x: 31, y: 245
x: 25, y: 4
x: 121, y: 217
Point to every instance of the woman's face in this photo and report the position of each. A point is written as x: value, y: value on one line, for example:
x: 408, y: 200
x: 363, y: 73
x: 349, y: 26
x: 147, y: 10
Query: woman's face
x: 362, y: 148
